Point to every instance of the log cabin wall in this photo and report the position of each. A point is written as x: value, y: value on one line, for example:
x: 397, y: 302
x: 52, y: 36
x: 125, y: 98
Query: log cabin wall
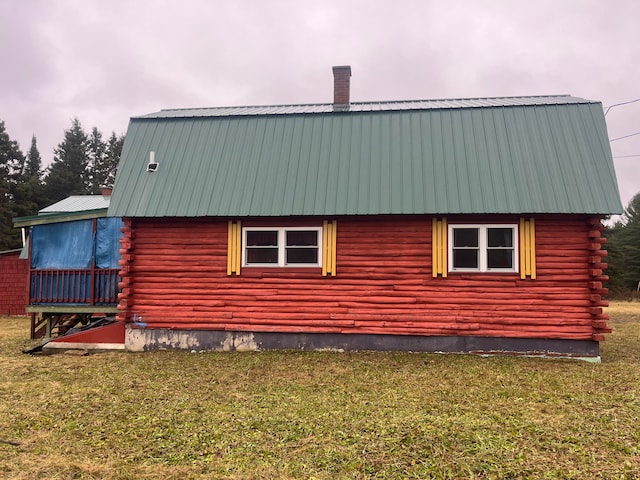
x: 174, y: 275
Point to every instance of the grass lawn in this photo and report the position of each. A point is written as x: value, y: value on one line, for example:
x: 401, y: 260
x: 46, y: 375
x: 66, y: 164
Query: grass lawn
x: 262, y: 415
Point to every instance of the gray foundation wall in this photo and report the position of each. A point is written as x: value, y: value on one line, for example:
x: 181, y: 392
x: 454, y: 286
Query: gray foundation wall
x: 139, y: 340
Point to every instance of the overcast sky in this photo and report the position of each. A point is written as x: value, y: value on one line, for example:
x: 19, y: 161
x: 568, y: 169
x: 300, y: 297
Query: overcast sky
x: 104, y: 61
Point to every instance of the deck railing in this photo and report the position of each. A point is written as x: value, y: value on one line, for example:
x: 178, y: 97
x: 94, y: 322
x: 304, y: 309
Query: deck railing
x: 89, y: 287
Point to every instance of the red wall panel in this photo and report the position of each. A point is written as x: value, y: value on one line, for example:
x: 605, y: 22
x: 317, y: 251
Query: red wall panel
x: 14, y: 275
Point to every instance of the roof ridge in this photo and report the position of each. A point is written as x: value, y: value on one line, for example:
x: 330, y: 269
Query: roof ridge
x: 376, y: 106
x: 374, y: 102
x: 233, y: 107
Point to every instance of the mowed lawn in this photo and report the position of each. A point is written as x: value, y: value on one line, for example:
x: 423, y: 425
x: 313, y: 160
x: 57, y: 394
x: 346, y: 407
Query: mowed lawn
x: 322, y: 415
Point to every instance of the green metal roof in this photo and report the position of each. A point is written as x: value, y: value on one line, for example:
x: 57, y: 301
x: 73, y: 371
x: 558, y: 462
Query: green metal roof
x: 78, y: 203
x: 74, y: 207
x: 510, y: 155
x: 58, y: 217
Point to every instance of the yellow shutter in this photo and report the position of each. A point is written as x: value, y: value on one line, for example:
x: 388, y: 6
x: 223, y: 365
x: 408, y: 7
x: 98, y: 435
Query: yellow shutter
x: 527, y: 248
x: 439, y: 247
x: 329, y: 230
x: 234, y: 248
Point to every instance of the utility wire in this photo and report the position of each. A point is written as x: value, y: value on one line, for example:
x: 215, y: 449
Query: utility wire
x: 618, y: 104
x: 625, y: 136
x: 626, y: 156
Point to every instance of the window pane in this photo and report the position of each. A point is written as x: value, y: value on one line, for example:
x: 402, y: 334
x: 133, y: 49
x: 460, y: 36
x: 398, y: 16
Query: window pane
x: 466, y: 258
x: 465, y: 237
x: 500, y: 237
x: 260, y: 238
x: 262, y: 255
x: 302, y: 238
x: 500, y: 258
x: 302, y: 255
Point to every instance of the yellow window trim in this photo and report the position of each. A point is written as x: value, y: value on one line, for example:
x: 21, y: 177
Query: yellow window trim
x: 527, y: 248
x: 234, y: 245
x: 439, y: 247
x: 329, y: 231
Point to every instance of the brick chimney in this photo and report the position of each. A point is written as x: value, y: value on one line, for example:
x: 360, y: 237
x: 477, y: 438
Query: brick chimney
x: 341, y: 81
x: 106, y: 191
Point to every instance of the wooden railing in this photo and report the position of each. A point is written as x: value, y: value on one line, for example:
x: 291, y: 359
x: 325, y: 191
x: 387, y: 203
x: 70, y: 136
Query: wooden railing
x: 89, y: 287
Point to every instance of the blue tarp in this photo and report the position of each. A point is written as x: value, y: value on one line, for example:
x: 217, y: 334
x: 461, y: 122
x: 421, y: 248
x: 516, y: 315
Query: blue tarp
x: 70, y: 245
x: 64, y: 245
x: 108, y: 242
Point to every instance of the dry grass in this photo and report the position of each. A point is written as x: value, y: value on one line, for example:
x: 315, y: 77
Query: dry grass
x: 320, y: 415
x: 624, y: 310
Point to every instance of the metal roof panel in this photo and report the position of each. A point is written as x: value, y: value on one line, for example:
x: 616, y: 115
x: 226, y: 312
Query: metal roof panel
x: 78, y: 203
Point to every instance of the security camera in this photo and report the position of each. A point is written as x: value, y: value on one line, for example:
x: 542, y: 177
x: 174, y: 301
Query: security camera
x: 153, y: 165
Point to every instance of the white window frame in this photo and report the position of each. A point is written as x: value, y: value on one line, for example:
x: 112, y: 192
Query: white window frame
x: 282, y: 237
x: 482, y: 247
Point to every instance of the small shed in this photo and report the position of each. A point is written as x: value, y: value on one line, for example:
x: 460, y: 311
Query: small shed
x: 14, y: 276
x: 73, y: 250
x: 460, y: 225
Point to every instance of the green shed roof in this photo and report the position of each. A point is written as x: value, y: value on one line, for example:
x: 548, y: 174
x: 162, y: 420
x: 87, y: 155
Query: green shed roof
x: 499, y: 155
x: 74, y: 207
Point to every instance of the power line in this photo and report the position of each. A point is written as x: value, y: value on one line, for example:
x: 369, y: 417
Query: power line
x: 618, y: 104
x: 627, y: 156
x: 625, y: 136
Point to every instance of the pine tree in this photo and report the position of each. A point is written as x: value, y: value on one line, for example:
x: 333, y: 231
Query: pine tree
x: 630, y: 237
x: 27, y: 186
x: 104, y: 159
x: 33, y: 167
x: 11, y: 162
x: 69, y: 173
x: 97, y: 153
x: 623, y: 246
x: 112, y: 158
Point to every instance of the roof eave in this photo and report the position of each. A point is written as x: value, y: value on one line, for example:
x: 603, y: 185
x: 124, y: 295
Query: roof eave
x: 58, y: 217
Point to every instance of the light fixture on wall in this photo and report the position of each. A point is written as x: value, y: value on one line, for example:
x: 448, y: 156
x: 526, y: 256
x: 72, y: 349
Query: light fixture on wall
x: 153, y: 165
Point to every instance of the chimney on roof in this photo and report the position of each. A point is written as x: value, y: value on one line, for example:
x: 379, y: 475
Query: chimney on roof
x: 341, y: 81
x: 106, y: 191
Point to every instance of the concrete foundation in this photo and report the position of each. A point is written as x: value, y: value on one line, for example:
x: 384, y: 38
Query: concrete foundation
x: 139, y: 340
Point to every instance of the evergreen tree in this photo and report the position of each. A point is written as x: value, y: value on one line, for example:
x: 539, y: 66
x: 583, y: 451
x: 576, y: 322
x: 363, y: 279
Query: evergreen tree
x: 104, y: 158
x: 630, y: 238
x: 111, y: 159
x: 97, y: 153
x: 69, y: 173
x: 28, y: 196
x: 27, y: 187
x: 632, y: 212
x: 33, y: 167
x: 623, y: 246
x: 11, y: 161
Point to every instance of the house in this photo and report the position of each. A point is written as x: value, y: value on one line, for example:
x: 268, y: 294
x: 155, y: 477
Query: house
x: 73, y: 251
x: 463, y: 225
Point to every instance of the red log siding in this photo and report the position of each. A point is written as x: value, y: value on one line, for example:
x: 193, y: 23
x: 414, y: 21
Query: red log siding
x: 14, y: 280
x: 174, y: 276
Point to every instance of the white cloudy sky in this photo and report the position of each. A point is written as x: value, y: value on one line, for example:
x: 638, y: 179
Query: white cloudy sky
x: 104, y: 61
